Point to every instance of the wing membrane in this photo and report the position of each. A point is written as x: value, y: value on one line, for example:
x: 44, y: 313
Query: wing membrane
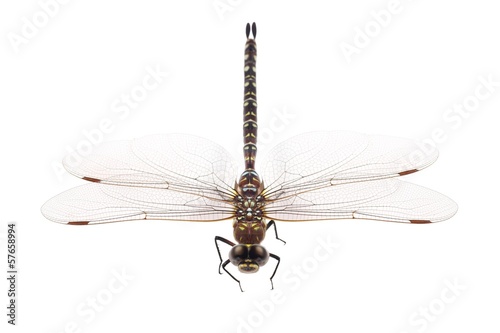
x: 97, y: 203
x: 318, y: 160
x: 176, y: 162
x: 314, y: 176
x: 384, y: 200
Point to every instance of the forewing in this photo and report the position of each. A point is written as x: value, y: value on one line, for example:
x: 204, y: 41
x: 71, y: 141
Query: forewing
x: 384, y: 200
x: 176, y: 162
x: 97, y: 203
x: 317, y: 160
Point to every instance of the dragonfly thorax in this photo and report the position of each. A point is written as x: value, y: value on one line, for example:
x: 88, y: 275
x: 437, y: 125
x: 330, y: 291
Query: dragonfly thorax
x: 249, y: 224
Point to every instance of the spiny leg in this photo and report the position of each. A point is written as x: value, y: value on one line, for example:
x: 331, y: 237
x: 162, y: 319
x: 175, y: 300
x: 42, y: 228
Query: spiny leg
x: 275, y: 268
x: 272, y: 223
x: 231, y: 275
x: 228, y: 242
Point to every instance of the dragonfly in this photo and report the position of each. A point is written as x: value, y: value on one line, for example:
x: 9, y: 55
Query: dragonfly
x: 314, y: 176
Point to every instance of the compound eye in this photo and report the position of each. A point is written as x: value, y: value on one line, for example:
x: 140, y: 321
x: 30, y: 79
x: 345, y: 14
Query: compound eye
x: 238, y: 253
x: 259, y: 254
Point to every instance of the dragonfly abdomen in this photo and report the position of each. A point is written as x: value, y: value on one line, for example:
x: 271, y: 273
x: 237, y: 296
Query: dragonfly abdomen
x: 249, y: 184
x: 250, y: 103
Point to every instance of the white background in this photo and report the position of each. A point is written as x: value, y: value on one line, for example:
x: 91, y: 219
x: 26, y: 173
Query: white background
x: 63, y: 81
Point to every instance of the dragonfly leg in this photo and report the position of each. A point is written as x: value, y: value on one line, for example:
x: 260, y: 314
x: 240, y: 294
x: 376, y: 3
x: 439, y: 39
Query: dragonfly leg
x: 275, y: 268
x: 231, y: 275
x: 228, y: 242
x: 272, y: 223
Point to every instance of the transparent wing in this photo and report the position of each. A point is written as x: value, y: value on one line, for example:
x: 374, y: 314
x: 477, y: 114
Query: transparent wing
x: 319, y: 160
x: 97, y: 203
x: 384, y: 200
x: 176, y: 162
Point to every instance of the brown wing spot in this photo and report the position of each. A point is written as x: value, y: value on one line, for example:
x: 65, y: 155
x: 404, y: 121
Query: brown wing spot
x: 90, y: 179
x: 78, y: 222
x: 407, y: 172
x: 420, y: 221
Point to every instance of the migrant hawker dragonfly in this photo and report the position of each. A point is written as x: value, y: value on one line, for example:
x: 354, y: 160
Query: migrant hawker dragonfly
x: 313, y: 176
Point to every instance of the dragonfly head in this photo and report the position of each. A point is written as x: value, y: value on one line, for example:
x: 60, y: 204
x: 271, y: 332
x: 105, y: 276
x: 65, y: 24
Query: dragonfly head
x: 248, y: 257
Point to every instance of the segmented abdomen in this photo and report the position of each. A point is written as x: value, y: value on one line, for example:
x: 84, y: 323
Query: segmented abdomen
x: 250, y: 105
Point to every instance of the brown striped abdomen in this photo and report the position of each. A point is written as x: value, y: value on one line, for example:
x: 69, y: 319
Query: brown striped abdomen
x: 250, y: 105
